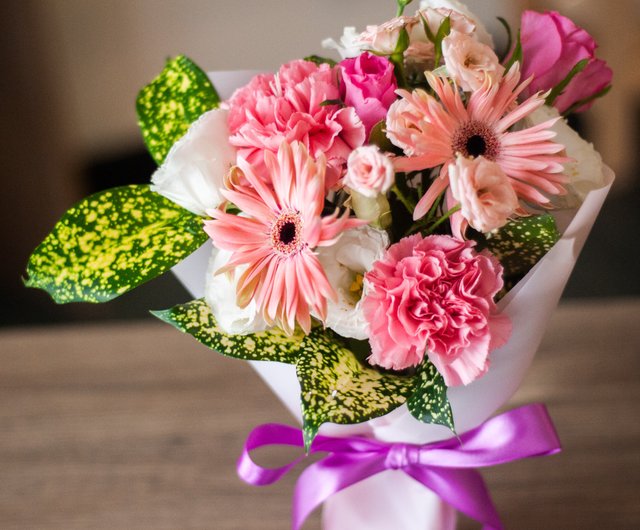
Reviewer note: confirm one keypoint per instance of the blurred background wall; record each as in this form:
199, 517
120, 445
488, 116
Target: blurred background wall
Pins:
72, 69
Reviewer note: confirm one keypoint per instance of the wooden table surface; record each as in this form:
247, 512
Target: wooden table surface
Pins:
137, 426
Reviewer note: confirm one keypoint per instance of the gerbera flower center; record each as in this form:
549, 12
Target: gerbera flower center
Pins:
286, 233
474, 139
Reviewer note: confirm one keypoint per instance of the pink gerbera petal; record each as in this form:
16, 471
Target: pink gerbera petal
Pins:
275, 237
433, 131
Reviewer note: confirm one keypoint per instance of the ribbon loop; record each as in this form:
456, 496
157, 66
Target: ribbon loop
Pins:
401, 456
446, 468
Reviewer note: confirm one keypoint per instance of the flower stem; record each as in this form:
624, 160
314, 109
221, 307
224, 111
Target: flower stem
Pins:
443, 218
408, 204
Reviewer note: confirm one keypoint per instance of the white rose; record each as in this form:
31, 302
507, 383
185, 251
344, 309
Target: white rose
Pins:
220, 294
585, 171
349, 46
345, 264
193, 171
481, 31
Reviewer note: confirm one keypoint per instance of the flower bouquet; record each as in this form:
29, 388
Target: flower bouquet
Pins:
383, 237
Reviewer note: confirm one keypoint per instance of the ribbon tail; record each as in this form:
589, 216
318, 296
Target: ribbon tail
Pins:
329, 476
464, 489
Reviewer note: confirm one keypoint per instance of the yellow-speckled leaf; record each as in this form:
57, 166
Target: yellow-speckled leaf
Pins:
171, 102
196, 319
110, 243
337, 388
521, 243
429, 402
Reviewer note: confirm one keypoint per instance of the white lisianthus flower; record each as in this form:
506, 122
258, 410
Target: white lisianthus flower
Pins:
585, 170
481, 31
220, 294
193, 172
349, 45
345, 264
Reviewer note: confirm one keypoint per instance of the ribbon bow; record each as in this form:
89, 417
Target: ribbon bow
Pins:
446, 467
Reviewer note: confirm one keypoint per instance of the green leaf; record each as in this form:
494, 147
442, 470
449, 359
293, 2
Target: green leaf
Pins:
171, 102
516, 55
337, 388
443, 31
320, 60
521, 243
401, 5
559, 88
507, 28
379, 138
429, 402
196, 319
110, 243
580, 103
427, 29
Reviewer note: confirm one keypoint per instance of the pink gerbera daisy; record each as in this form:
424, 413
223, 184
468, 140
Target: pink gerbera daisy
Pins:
432, 132
275, 237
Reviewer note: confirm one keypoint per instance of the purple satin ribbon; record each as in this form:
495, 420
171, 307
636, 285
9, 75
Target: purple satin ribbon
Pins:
447, 468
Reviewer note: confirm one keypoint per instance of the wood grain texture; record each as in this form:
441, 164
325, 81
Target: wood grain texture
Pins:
136, 426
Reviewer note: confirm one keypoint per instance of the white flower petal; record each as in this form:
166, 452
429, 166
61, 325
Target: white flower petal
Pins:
193, 171
220, 294
353, 254
586, 171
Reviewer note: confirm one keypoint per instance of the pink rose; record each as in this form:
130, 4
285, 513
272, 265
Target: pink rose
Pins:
287, 107
485, 194
551, 47
368, 85
469, 62
434, 296
369, 172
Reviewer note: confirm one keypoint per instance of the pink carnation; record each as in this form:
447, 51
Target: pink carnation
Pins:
288, 107
434, 295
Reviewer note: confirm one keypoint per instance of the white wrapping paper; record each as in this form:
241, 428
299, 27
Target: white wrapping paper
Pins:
392, 500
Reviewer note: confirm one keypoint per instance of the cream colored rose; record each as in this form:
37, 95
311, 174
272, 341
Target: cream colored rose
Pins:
193, 171
384, 38
469, 62
484, 192
345, 264
458, 7
220, 294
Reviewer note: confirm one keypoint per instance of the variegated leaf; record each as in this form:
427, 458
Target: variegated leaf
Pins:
337, 388
196, 319
521, 243
110, 243
428, 402
171, 102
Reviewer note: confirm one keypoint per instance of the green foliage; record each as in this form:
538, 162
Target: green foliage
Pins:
428, 402
171, 102
196, 319
110, 243
559, 88
521, 243
336, 384
320, 60
337, 388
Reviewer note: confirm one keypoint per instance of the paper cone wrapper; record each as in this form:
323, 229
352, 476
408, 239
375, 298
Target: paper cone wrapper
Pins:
392, 499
